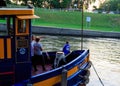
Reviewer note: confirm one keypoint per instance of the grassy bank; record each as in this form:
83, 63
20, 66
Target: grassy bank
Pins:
72, 20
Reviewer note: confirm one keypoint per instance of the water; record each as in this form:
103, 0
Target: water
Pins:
104, 54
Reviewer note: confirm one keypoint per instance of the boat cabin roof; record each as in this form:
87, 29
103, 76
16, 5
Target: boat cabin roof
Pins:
21, 13
16, 11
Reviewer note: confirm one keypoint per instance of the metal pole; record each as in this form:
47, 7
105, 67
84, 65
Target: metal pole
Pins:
82, 27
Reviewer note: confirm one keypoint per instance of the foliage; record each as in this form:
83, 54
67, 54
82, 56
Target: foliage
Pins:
8, 1
111, 5
87, 2
55, 3
24, 1
65, 3
37, 3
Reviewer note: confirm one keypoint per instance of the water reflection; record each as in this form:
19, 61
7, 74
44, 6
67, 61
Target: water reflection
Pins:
104, 53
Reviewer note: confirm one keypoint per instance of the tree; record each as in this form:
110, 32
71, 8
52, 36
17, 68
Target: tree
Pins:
8, 1
55, 3
85, 3
24, 2
37, 3
65, 3
111, 5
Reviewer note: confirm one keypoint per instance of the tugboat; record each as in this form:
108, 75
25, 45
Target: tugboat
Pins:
15, 56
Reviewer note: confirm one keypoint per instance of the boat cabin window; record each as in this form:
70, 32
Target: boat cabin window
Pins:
22, 27
6, 26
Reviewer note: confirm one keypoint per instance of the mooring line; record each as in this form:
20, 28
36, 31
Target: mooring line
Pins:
98, 75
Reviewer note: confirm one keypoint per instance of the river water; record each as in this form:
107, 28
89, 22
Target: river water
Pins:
104, 54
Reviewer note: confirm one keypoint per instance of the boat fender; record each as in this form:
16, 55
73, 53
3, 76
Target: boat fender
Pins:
87, 73
88, 66
81, 84
84, 82
85, 77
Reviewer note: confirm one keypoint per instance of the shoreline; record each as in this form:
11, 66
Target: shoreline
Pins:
69, 32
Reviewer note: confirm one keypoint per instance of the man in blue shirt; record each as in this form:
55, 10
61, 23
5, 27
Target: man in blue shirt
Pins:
66, 48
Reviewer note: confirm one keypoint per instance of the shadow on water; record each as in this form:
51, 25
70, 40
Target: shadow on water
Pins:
104, 54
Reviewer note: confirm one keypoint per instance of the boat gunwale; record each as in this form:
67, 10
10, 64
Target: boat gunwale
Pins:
57, 71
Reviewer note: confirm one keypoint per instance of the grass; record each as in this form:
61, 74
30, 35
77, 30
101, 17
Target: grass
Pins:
72, 20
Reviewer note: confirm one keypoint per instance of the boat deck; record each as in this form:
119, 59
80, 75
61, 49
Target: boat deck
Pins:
39, 67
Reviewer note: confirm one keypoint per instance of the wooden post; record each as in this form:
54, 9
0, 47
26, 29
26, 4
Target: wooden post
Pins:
64, 78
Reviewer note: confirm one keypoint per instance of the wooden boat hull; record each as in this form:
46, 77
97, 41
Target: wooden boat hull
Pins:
74, 73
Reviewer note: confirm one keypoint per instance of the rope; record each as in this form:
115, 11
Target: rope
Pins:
97, 75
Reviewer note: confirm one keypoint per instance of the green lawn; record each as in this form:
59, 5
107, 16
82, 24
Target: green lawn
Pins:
72, 20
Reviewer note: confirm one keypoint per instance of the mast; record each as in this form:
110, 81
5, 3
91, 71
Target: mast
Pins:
82, 26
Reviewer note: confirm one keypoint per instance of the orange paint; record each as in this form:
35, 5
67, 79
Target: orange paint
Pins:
9, 48
1, 49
